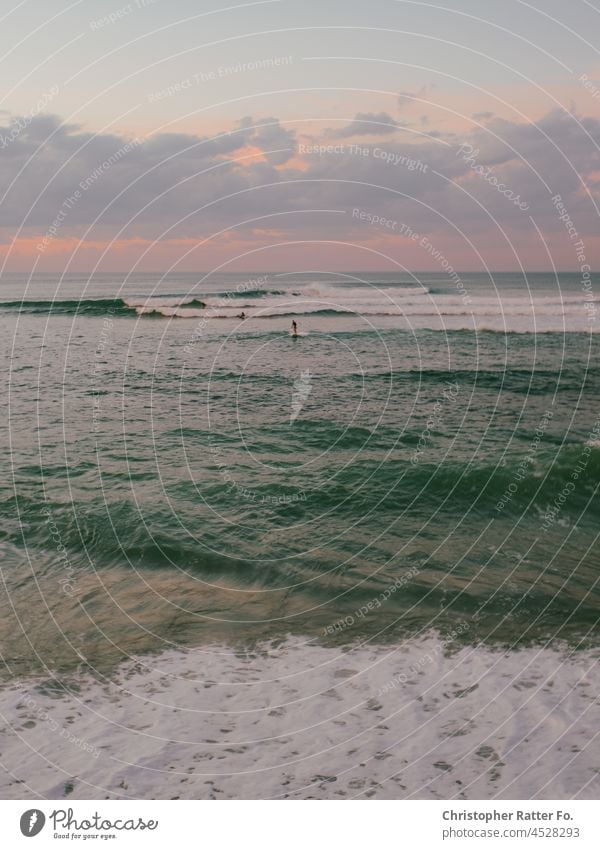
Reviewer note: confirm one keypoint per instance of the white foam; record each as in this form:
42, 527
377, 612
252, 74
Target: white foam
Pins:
304, 721
353, 293
161, 301
512, 312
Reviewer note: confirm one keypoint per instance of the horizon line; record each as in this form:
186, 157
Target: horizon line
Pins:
264, 272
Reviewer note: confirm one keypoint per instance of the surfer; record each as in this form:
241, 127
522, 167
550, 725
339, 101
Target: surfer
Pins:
294, 328
242, 315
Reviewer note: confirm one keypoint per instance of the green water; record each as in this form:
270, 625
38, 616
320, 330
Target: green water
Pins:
159, 492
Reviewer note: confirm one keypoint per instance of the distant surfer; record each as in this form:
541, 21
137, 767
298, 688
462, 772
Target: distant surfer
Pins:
242, 315
294, 328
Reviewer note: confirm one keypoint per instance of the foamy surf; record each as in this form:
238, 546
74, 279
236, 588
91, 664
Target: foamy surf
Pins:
415, 308
335, 308
298, 721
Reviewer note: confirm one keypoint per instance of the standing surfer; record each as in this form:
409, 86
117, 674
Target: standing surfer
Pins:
294, 328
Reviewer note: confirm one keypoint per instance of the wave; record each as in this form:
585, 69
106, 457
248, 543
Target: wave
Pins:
158, 302
422, 307
532, 481
81, 306
176, 536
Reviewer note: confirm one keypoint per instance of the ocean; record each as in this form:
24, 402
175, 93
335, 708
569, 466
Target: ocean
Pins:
358, 562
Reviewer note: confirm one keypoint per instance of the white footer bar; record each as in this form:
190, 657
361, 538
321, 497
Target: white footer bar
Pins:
350, 824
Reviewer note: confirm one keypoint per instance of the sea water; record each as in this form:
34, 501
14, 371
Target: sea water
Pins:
415, 477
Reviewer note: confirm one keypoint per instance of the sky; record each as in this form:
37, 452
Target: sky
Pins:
287, 135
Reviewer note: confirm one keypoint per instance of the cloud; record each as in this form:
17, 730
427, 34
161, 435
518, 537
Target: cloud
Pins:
277, 143
406, 99
366, 124
159, 181
186, 186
